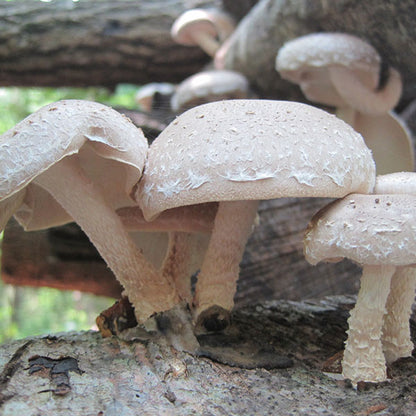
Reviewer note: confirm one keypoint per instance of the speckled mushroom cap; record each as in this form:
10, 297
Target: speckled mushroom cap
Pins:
308, 57
208, 86
253, 149
111, 150
368, 229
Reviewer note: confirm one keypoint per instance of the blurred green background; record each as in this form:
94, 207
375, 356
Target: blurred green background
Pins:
35, 311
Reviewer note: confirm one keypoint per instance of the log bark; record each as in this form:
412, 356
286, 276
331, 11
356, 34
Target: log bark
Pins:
280, 347
66, 43
387, 25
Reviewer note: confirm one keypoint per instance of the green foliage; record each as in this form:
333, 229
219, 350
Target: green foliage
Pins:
28, 311
18, 103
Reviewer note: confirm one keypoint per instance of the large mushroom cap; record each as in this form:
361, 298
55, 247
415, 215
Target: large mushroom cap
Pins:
368, 229
110, 148
253, 149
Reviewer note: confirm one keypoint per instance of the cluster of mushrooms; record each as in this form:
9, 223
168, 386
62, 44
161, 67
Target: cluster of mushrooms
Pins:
200, 181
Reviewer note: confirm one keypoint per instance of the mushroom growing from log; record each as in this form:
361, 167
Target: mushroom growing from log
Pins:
209, 86
207, 28
376, 231
237, 152
79, 161
343, 71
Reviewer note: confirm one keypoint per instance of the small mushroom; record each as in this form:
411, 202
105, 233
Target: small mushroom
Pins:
154, 95
343, 71
209, 86
207, 28
79, 161
237, 152
378, 232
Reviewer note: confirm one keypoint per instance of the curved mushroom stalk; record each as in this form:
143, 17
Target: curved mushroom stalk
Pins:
359, 97
217, 280
148, 290
396, 337
363, 356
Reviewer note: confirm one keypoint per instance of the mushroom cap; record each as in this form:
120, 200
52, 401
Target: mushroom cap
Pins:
396, 183
306, 61
250, 150
191, 21
368, 229
110, 149
146, 94
208, 86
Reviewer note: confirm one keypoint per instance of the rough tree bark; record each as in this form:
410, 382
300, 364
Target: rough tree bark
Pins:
271, 364
87, 43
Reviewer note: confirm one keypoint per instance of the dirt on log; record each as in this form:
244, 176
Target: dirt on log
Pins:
281, 347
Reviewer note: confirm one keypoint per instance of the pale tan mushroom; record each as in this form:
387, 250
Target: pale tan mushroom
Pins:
238, 152
78, 160
378, 232
343, 71
396, 336
209, 86
148, 96
207, 28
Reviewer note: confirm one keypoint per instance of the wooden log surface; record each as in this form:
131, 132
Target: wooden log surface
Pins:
95, 42
281, 347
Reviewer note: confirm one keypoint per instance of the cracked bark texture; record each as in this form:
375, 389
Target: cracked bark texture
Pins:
88, 43
53, 375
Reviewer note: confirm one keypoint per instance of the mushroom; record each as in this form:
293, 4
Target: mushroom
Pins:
78, 160
343, 71
207, 28
152, 96
378, 232
237, 152
208, 86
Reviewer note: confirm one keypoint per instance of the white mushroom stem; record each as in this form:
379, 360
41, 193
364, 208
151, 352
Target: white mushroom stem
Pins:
363, 356
360, 97
9, 206
217, 280
206, 42
396, 337
148, 290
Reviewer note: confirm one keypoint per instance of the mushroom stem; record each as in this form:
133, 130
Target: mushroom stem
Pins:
206, 42
363, 356
9, 206
396, 337
358, 96
148, 290
346, 114
176, 266
217, 280
192, 218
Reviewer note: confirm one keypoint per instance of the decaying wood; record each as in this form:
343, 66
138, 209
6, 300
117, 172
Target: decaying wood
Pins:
387, 25
66, 43
281, 347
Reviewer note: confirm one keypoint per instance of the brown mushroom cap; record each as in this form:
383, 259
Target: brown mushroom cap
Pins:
209, 86
368, 229
111, 153
253, 149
